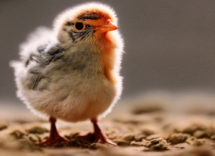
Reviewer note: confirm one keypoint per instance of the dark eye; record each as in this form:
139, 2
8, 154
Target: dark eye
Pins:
79, 26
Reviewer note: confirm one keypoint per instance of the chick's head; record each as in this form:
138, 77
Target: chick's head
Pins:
87, 22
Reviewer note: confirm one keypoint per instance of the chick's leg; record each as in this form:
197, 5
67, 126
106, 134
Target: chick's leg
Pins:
99, 134
54, 136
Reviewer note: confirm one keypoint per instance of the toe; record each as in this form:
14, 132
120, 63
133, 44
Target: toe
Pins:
52, 141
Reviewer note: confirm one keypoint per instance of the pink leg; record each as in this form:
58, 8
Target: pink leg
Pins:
54, 136
97, 135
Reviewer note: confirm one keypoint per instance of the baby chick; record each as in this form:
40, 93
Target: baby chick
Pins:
72, 72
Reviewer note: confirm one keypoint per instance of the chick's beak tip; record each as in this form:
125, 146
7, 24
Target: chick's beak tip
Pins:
111, 26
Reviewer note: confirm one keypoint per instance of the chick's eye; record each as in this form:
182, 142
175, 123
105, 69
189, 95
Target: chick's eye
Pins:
79, 26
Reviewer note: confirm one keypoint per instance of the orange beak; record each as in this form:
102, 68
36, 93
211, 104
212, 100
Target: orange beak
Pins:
109, 26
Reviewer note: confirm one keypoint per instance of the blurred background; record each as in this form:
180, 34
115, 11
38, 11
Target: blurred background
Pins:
169, 44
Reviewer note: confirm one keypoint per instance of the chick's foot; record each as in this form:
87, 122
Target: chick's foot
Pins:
97, 135
54, 136
53, 141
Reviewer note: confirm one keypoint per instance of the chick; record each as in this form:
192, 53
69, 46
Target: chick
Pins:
71, 72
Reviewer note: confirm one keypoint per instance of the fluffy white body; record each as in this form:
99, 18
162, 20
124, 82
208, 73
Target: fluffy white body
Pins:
71, 85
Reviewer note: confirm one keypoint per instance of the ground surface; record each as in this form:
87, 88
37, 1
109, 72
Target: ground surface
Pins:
143, 128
